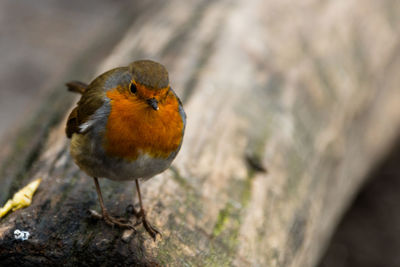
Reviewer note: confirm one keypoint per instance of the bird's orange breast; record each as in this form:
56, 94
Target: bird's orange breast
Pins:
133, 127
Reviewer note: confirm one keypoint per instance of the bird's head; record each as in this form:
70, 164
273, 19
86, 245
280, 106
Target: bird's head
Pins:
149, 82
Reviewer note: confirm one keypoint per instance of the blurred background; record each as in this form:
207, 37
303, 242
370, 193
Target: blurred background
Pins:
39, 41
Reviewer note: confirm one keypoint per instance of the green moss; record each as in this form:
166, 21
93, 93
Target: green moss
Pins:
229, 221
222, 219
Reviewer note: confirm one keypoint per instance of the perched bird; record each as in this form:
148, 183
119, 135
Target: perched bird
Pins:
128, 125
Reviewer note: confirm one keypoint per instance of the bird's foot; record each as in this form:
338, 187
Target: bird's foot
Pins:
141, 219
112, 221
151, 230
121, 223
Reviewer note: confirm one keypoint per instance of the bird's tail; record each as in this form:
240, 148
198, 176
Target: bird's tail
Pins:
76, 87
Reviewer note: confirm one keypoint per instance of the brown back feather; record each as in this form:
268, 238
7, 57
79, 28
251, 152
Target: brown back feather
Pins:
72, 123
73, 120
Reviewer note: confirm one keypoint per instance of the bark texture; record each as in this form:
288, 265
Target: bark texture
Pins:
308, 91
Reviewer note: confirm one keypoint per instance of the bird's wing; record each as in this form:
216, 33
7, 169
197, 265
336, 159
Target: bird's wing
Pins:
90, 101
72, 123
79, 121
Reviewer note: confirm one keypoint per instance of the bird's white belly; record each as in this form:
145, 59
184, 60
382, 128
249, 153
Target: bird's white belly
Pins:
90, 157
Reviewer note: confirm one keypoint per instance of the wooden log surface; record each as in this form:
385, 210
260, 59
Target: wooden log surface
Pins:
307, 90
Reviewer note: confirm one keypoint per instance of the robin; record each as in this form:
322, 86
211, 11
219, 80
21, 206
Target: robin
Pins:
128, 125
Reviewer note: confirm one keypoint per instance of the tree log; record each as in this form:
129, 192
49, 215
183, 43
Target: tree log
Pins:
305, 90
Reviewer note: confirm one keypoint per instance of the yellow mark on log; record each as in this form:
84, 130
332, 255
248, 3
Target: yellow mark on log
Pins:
21, 199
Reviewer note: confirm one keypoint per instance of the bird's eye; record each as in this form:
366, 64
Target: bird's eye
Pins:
133, 88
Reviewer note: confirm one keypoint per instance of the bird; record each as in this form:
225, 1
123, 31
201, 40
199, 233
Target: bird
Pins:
128, 125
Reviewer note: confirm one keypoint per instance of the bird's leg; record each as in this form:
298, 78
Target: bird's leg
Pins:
110, 220
142, 215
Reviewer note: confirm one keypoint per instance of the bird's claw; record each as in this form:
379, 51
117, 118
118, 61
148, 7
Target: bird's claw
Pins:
151, 230
112, 221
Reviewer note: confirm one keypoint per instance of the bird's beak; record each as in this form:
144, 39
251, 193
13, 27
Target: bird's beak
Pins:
153, 103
